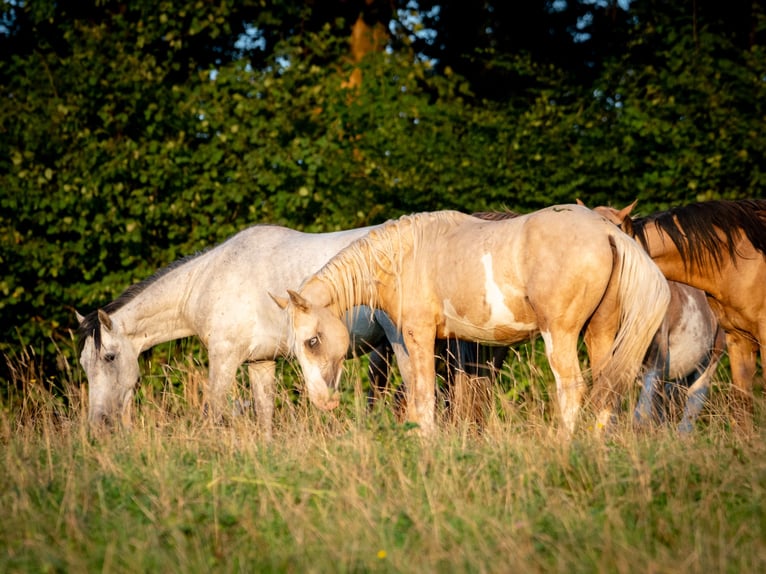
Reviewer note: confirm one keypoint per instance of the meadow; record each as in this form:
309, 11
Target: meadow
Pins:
355, 490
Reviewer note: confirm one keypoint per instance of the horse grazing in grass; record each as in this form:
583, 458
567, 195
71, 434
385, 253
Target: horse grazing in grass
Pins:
682, 357
720, 248
220, 296
444, 275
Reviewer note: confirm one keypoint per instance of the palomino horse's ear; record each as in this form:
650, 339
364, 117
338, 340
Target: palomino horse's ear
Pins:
80, 318
579, 202
624, 213
281, 301
105, 319
298, 300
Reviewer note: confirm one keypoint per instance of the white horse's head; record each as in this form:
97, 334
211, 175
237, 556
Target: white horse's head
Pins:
111, 366
320, 341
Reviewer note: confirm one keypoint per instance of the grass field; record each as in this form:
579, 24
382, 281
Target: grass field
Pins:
352, 491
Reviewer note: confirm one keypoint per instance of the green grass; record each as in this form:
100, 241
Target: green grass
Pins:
359, 492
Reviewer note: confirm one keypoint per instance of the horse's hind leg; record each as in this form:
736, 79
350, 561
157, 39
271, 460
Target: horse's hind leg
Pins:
599, 338
742, 359
262, 375
697, 393
695, 400
561, 350
655, 371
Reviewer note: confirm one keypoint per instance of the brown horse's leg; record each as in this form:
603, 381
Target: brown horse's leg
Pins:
421, 400
742, 357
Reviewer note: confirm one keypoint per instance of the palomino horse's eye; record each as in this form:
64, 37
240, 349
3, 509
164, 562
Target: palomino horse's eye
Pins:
109, 357
313, 342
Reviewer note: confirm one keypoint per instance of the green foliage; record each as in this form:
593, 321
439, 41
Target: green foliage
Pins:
135, 134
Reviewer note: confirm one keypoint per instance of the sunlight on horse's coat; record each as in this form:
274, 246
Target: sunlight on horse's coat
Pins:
718, 247
220, 295
423, 272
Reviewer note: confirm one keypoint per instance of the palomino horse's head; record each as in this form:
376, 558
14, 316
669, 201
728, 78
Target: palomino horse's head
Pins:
111, 366
320, 341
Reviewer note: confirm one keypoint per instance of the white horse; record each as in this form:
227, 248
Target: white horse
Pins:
220, 296
559, 271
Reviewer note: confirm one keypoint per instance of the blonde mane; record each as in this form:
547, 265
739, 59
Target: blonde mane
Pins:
353, 275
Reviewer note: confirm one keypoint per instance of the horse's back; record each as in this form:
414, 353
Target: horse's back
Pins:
512, 273
275, 256
230, 298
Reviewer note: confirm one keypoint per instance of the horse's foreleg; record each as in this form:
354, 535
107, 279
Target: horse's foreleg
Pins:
262, 377
561, 351
742, 358
378, 372
396, 342
421, 388
222, 373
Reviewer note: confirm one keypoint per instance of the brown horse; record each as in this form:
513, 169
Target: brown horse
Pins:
557, 271
720, 248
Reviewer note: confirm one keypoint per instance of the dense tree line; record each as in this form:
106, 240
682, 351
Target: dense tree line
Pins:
135, 132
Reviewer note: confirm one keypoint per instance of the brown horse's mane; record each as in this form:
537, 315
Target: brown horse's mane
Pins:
694, 229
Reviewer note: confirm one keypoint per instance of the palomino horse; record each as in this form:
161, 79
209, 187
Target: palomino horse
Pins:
682, 357
556, 271
221, 296
686, 349
720, 248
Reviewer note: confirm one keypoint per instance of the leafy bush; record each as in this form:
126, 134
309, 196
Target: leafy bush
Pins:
134, 137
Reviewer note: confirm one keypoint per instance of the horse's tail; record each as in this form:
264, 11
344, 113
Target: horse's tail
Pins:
643, 296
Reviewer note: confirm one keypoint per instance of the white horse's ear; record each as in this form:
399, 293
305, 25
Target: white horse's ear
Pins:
281, 301
298, 300
80, 318
105, 319
580, 202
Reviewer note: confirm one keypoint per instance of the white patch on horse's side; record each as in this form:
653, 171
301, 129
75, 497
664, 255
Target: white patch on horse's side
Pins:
499, 315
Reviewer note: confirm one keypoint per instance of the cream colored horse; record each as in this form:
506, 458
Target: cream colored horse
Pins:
557, 271
220, 296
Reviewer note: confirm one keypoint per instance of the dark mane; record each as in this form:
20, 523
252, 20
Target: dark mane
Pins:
495, 215
694, 228
91, 325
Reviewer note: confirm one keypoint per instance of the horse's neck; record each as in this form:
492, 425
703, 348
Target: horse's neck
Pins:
158, 314
371, 276
675, 268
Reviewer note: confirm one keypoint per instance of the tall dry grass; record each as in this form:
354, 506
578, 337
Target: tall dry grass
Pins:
358, 491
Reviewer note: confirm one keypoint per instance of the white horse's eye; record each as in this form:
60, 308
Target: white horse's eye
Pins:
109, 357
